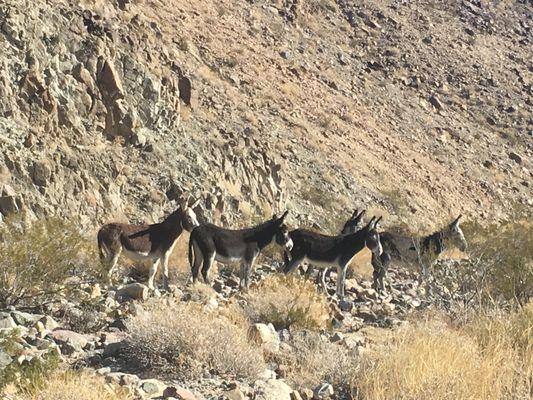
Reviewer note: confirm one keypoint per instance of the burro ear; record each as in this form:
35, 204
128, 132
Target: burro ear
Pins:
377, 222
184, 201
355, 212
456, 220
282, 218
361, 214
370, 225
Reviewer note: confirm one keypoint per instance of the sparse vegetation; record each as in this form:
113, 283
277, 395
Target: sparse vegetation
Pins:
36, 260
481, 360
181, 340
500, 267
287, 302
312, 359
70, 385
30, 376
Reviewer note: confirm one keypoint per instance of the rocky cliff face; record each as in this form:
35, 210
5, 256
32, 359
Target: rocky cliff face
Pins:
415, 110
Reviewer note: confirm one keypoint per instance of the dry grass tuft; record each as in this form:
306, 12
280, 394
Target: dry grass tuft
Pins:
489, 358
181, 340
76, 386
312, 360
287, 302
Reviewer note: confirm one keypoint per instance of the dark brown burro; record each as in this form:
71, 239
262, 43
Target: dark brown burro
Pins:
146, 242
324, 251
209, 242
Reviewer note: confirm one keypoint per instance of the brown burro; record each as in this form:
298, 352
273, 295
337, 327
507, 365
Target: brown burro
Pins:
146, 242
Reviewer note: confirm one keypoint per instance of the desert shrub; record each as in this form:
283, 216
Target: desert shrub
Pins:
35, 260
29, 376
70, 385
287, 302
500, 266
312, 359
432, 360
183, 339
86, 317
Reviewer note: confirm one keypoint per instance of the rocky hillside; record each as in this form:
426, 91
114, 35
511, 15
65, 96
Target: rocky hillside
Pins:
110, 108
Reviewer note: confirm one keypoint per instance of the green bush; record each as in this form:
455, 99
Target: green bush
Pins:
36, 260
30, 375
500, 266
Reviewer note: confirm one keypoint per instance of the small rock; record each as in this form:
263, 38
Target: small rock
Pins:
69, 341
342, 59
49, 323
345, 305
135, 291
435, 102
26, 319
152, 386
234, 394
488, 164
5, 359
286, 54
273, 389
323, 391
337, 337
113, 349
370, 294
517, 158
265, 335
7, 322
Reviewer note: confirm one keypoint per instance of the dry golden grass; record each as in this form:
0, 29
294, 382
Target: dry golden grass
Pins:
489, 358
181, 340
77, 386
287, 302
312, 359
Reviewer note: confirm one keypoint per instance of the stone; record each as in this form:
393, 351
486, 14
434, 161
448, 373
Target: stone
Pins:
7, 322
273, 389
41, 173
48, 323
345, 305
5, 359
185, 90
135, 291
69, 341
152, 387
109, 81
26, 319
517, 158
337, 337
370, 294
113, 349
323, 391
235, 394
286, 54
265, 335
10, 205
179, 393
435, 102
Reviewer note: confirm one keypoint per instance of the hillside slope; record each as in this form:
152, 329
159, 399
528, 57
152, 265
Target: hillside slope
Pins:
418, 110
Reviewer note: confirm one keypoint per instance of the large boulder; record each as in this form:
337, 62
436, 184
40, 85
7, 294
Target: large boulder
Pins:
69, 342
266, 336
273, 389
